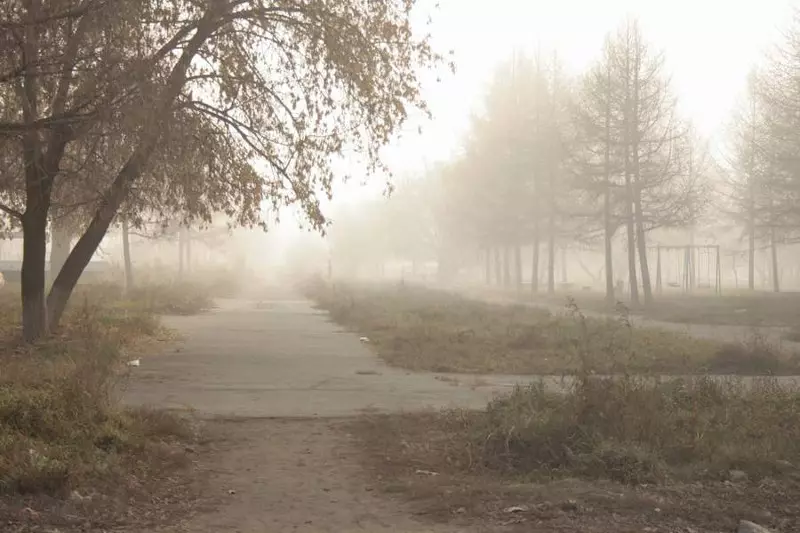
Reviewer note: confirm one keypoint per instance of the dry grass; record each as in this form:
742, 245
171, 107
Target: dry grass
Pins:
631, 452
634, 430
59, 421
63, 433
539, 462
609, 455
156, 298
735, 308
429, 330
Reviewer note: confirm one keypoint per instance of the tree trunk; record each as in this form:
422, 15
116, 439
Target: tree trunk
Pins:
126, 254
637, 178
551, 255
751, 199
776, 282
607, 238
488, 265
535, 259
34, 255
60, 245
181, 252
751, 257
188, 248
506, 266
498, 269
518, 267
87, 245
693, 259
632, 279
641, 242
608, 231
564, 269
629, 224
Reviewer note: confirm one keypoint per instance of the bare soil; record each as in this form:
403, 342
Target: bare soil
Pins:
290, 475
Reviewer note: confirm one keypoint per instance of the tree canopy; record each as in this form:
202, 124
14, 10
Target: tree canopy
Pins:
193, 105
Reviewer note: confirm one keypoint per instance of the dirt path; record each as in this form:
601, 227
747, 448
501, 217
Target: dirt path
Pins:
270, 380
289, 475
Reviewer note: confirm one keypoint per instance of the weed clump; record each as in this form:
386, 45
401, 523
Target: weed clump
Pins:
60, 424
639, 430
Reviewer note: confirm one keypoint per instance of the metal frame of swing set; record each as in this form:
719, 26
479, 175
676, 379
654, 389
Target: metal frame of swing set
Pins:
688, 281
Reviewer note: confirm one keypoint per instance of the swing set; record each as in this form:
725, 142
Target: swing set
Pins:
689, 267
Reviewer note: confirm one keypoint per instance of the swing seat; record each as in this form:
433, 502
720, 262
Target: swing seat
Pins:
674, 285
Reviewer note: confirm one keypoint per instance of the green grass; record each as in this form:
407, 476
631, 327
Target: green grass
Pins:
422, 329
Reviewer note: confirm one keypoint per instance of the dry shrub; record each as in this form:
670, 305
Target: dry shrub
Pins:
641, 430
59, 422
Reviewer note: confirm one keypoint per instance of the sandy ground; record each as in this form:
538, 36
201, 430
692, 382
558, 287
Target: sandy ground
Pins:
271, 380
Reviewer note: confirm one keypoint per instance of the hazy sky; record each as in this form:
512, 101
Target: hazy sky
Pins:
710, 46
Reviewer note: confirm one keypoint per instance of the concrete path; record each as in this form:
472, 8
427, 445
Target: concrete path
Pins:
282, 358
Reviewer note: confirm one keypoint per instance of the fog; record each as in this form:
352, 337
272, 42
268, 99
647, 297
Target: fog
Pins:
505, 182
465, 209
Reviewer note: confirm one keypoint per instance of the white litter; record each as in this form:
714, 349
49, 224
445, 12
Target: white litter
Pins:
426, 473
364, 339
516, 509
135, 362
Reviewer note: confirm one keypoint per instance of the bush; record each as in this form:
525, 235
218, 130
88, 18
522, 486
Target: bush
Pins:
59, 422
639, 430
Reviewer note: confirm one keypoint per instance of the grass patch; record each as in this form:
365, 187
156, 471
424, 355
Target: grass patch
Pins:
619, 452
732, 308
69, 452
171, 299
792, 335
637, 430
157, 298
422, 329
59, 422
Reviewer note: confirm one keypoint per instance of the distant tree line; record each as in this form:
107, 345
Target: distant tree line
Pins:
606, 158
